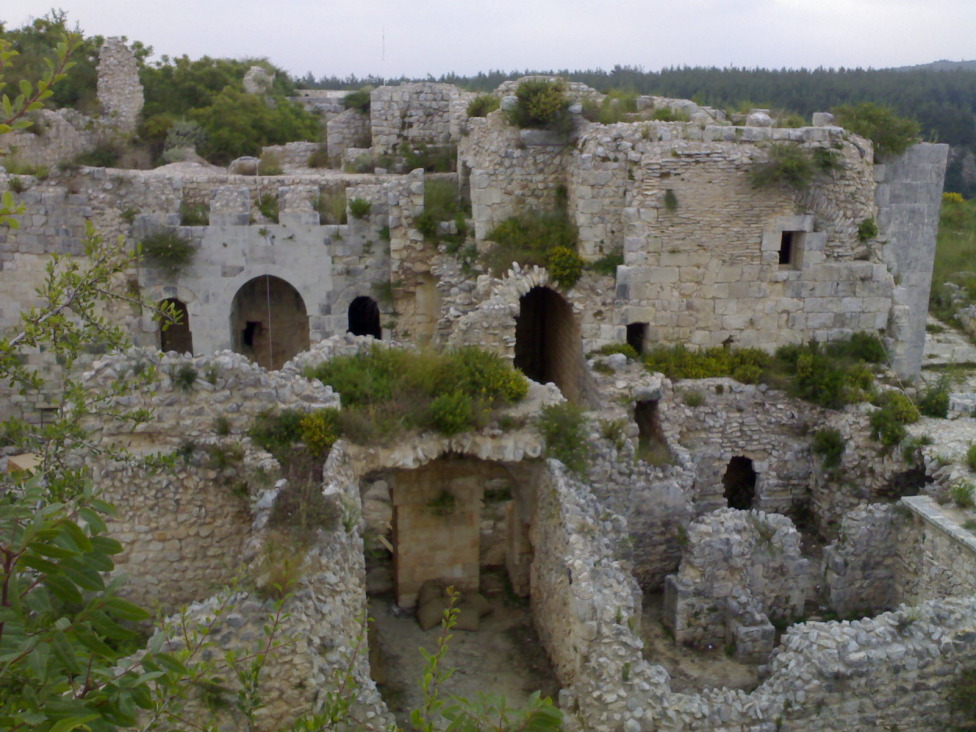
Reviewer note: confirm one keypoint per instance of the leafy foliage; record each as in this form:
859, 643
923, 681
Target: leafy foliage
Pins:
934, 400
564, 428
359, 100
788, 164
565, 266
891, 134
483, 105
829, 444
889, 420
677, 362
359, 208
541, 104
210, 93
528, 238
168, 251
385, 391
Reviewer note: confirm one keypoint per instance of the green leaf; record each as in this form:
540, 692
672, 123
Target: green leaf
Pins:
62, 588
171, 664
66, 725
125, 610
65, 653
95, 522
75, 535
41, 565
107, 545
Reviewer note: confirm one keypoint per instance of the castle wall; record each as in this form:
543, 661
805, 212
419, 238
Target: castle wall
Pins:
936, 557
422, 113
908, 198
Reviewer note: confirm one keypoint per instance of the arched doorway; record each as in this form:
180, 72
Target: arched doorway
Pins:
740, 483
269, 323
547, 341
364, 317
176, 336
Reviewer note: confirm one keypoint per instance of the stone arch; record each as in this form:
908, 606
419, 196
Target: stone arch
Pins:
176, 336
364, 317
739, 482
547, 341
269, 322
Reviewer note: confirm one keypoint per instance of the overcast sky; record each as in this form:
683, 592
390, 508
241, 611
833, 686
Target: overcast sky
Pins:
419, 37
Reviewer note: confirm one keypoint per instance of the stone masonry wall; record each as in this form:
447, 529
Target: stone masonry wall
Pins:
859, 567
419, 113
935, 556
511, 170
119, 88
738, 570
908, 197
742, 420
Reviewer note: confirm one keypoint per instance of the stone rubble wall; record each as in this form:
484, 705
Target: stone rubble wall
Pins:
57, 136
739, 570
119, 89
859, 567
347, 130
866, 474
511, 170
423, 113
746, 420
292, 156
909, 195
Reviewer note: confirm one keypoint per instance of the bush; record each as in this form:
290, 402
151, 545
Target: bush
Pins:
867, 230
268, 206
891, 134
331, 208
359, 208
431, 158
666, 114
541, 104
565, 266
385, 391
483, 105
888, 422
451, 413
190, 215
528, 239
624, 348
961, 494
564, 428
359, 100
269, 164
318, 431
677, 362
788, 165
277, 433
105, 155
830, 376
607, 265
167, 251
971, 458
319, 158
934, 401
830, 445
184, 377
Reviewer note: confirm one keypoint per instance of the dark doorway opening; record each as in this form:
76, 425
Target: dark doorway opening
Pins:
547, 341
176, 336
740, 483
269, 323
636, 333
364, 317
651, 443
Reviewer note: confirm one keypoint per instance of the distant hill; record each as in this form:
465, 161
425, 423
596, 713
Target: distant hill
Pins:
943, 65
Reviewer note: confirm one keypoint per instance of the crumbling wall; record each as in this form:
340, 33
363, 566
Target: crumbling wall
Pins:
751, 421
119, 88
350, 129
739, 570
422, 113
512, 170
859, 567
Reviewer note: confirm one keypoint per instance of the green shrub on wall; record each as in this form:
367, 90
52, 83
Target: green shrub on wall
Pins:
483, 105
891, 134
531, 238
541, 104
788, 164
168, 251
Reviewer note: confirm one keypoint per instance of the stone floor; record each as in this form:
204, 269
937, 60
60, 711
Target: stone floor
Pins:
504, 656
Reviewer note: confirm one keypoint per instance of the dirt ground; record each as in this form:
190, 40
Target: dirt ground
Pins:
691, 670
503, 656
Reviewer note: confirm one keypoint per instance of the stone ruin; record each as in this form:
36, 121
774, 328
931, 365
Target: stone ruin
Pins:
714, 524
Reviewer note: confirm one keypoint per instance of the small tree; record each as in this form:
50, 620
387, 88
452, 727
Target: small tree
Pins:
541, 104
